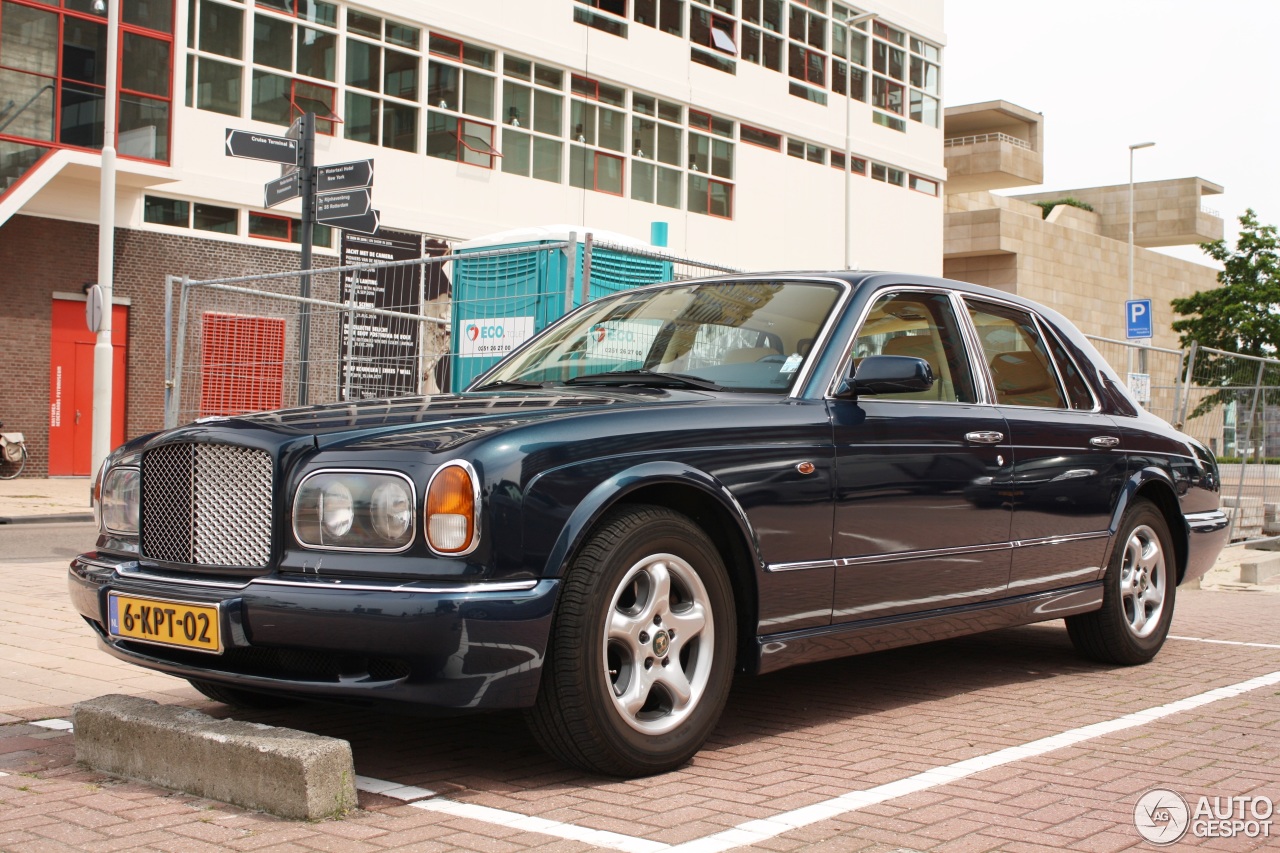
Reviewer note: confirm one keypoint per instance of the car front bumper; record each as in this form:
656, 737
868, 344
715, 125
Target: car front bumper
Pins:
450, 646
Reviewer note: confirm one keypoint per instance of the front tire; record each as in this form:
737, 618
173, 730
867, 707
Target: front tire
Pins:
9, 470
1139, 589
641, 653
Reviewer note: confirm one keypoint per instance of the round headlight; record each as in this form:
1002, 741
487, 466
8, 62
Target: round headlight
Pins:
337, 509
391, 510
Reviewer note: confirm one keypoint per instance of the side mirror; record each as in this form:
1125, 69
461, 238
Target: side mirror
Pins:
887, 374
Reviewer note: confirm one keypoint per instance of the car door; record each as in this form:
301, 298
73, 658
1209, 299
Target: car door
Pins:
1069, 462
920, 521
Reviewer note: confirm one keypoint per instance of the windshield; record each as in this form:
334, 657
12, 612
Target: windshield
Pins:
747, 336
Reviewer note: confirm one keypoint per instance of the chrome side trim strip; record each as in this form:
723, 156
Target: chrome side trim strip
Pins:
338, 584
135, 573
1207, 522
901, 556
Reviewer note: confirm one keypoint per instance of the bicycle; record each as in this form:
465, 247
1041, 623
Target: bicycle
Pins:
13, 454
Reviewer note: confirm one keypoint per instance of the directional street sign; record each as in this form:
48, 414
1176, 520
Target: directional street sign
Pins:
1137, 315
282, 189
260, 146
343, 205
344, 176
367, 224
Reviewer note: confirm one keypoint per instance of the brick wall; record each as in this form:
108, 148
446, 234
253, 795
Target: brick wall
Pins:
40, 256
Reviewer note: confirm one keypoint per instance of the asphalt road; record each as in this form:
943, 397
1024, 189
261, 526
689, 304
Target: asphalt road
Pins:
37, 542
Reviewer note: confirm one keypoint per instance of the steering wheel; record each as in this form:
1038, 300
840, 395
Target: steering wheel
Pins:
777, 358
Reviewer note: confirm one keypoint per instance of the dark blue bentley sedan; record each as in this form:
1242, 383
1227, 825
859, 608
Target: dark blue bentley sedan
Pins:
666, 486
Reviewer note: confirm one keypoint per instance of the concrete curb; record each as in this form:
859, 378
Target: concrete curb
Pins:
286, 772
46, 519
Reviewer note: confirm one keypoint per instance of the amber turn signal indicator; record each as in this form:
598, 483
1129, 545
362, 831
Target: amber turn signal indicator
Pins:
451, 510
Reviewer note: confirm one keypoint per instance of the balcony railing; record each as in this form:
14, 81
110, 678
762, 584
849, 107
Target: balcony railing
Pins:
957, 141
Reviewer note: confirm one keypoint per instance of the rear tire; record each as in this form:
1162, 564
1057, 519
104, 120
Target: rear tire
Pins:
9, 470
237, 698
641, 654
1139, 589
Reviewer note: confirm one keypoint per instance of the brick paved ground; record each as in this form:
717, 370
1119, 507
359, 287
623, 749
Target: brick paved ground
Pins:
788, 740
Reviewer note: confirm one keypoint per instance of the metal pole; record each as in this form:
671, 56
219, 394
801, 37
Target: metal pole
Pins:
307, 170
168, 347
179, 355
570, 265
1132, 148
103, 352
1244, 464
849, 24
586, 269
1186, 391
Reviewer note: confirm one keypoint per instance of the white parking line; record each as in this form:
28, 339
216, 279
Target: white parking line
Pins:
755, 831
1225, 642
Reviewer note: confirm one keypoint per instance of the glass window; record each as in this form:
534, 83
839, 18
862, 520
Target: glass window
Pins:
924, 75
714, 198
84, 51
207, 217
316, 53
166, 211
144, 64
595, 170
762, 48
363, 118
364, 65
604, 23
924, 185
807, 65
1077, 389
763, 138
1016, 355
150, 15
221, 29
273, 42
919, 325
270, 98
269, 227
29, 39
144, 127
399, 126
887, 95
924, 108
400, 77
365, 25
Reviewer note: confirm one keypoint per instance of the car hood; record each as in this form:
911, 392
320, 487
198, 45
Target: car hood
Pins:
430, 422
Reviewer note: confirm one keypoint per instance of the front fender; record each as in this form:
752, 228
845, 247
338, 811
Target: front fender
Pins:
611, 490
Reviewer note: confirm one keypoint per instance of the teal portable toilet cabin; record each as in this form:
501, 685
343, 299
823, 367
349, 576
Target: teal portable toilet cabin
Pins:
499, 301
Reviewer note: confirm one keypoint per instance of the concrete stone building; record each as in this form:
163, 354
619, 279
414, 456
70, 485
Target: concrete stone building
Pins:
1074, 260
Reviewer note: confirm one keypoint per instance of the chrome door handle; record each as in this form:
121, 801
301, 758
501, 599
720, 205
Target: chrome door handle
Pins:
985, 436
1104, 441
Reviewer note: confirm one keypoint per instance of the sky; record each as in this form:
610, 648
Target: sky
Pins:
1200, 79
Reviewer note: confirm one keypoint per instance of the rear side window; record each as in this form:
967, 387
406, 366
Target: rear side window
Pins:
920, 325
1077, 388
1019, 360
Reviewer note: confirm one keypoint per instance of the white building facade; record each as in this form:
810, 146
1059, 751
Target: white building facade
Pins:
765, 134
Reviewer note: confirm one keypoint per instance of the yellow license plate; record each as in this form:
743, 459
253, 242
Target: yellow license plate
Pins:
169, 623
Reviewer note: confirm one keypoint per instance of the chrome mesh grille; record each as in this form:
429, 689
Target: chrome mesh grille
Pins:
207, 505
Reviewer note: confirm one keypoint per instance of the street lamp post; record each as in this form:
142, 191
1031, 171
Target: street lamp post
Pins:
1132, 148
850, 32
102, 349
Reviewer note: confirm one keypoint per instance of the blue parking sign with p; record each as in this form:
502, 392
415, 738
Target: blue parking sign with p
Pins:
1137, 314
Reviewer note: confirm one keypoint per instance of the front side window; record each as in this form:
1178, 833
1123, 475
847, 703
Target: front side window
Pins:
1016, 354
919, 325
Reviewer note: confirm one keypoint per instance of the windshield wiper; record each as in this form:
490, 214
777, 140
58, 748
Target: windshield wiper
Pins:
644, 377
511, 383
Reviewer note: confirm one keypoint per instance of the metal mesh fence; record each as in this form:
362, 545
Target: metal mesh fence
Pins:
421, 326
1161, 391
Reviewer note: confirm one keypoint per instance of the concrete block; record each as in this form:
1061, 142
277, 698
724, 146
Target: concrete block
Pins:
289, 773
1260, 569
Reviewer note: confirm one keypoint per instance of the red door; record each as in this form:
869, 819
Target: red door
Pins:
71, 387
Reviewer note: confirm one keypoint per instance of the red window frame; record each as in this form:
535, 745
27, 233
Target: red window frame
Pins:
288, 221
463, 145
807, 67
57, 79
715, 182
911, 182
433, 38
595, 171
777, 137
